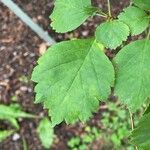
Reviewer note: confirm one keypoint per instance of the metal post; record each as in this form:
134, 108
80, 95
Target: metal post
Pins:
28, 21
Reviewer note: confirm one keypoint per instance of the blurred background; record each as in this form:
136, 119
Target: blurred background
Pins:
21, 119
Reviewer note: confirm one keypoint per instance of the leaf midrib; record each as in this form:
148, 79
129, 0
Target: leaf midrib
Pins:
63, 99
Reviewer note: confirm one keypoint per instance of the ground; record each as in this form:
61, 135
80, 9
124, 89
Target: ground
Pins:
19, 50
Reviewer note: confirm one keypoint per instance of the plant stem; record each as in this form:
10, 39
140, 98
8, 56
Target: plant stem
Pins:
131, 3
132, 121
132, 125
101, 15
148, 35
109, 9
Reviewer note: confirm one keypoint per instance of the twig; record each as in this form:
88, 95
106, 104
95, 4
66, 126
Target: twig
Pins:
148, 35
109, 8
132, 121
101, 15
132, 125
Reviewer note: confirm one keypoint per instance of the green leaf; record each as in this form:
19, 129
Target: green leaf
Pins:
69, 14
45, 132
115, 139
144, 146
112, 33
135, 18
13, 112
72, 77
4, 134
141, 134
73, 142
144, 4
133, 74
13, 121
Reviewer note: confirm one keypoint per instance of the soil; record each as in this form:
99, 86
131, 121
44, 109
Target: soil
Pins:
19, 50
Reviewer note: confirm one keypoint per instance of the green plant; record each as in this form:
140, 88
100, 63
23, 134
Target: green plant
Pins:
140, 135
24, 79
5, 133
74, 76
11, 114
114, 130
45, 132
74, 142
115, 126
83, 141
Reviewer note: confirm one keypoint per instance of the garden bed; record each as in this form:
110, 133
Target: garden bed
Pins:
19, 50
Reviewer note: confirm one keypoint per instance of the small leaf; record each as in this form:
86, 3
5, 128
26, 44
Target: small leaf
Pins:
14, 111
12, 120
4, 134
72, 77
112, 33
135, 18
141, 134
45, 132
69, 14
133, 74
144, 4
